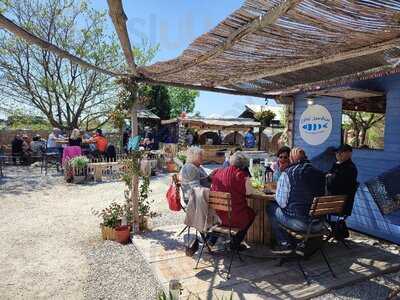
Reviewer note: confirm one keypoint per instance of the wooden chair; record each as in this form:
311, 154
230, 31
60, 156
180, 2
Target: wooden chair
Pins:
319, 210
220, 201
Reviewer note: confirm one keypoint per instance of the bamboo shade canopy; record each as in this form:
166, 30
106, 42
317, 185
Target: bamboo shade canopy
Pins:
270, 47
310, 45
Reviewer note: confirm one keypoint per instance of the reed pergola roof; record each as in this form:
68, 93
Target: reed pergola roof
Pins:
307, 44
215, 124
271, 47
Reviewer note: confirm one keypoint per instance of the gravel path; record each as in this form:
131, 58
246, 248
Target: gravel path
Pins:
51, 246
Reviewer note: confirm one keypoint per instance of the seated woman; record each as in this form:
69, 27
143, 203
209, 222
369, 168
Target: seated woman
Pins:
233, 180
192, 174
282, 163
75, 138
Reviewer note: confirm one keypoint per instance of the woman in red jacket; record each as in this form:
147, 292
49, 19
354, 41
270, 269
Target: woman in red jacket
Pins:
233, 180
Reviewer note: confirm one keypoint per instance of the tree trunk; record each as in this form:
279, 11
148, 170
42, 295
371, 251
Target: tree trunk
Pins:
363, 136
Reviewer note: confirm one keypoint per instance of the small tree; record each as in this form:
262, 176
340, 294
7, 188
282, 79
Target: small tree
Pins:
265, 117
182, 100
360, 123
32, 78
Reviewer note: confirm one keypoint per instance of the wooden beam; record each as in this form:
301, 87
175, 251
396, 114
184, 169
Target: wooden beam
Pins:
341, 80
200, 87
118, 17
255, 25
32, 39
371, 49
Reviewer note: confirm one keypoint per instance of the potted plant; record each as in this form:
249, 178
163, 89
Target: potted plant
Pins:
78, 165
111, 225
265, 117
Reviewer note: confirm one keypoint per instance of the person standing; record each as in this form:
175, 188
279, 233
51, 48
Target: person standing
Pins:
189, 138
249, 138
195, 138
16, 148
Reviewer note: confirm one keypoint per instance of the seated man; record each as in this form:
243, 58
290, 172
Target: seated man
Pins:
342, 178
297, 186
233, 180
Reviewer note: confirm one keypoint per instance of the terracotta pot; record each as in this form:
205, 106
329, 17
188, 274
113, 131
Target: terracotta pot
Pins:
123, 234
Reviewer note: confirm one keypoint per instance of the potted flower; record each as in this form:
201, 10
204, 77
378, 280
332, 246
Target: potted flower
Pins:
112, 227
78, 165
265, 117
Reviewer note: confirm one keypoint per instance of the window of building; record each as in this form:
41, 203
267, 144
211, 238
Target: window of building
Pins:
363, 122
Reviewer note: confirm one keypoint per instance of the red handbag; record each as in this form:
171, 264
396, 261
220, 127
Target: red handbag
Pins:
173, 198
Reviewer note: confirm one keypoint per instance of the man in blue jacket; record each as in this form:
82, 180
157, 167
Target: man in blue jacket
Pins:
296, 189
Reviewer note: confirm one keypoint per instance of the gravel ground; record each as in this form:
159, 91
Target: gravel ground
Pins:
53, 248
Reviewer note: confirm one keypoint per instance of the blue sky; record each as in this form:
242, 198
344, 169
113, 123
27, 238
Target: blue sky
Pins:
173, 24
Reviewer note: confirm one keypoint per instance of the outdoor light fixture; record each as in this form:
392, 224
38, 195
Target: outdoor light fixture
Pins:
310, 101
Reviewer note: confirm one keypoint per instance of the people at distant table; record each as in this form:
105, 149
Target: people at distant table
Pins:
37, 145
75, 138
53, 141
100, 141
16, 148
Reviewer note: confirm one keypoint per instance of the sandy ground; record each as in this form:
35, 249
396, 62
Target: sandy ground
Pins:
51, 246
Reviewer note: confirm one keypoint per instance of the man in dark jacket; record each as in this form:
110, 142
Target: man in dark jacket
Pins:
342, 178
296, 188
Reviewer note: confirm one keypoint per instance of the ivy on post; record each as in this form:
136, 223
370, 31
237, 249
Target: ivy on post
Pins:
135, 177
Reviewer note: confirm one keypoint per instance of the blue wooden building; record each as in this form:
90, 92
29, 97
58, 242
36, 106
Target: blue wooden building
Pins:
366, 217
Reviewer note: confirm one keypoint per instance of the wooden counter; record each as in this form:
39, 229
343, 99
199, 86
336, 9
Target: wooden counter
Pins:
260, 230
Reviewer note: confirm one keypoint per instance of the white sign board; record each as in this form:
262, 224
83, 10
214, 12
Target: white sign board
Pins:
315, 125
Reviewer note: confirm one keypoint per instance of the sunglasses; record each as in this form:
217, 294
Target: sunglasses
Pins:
283, 156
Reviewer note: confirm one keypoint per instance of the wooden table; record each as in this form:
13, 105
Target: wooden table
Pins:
260, 231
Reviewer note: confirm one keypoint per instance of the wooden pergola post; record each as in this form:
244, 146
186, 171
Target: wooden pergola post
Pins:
119, 19
135, 178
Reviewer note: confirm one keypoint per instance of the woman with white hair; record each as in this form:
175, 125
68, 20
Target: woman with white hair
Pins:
233, 180
192, 174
